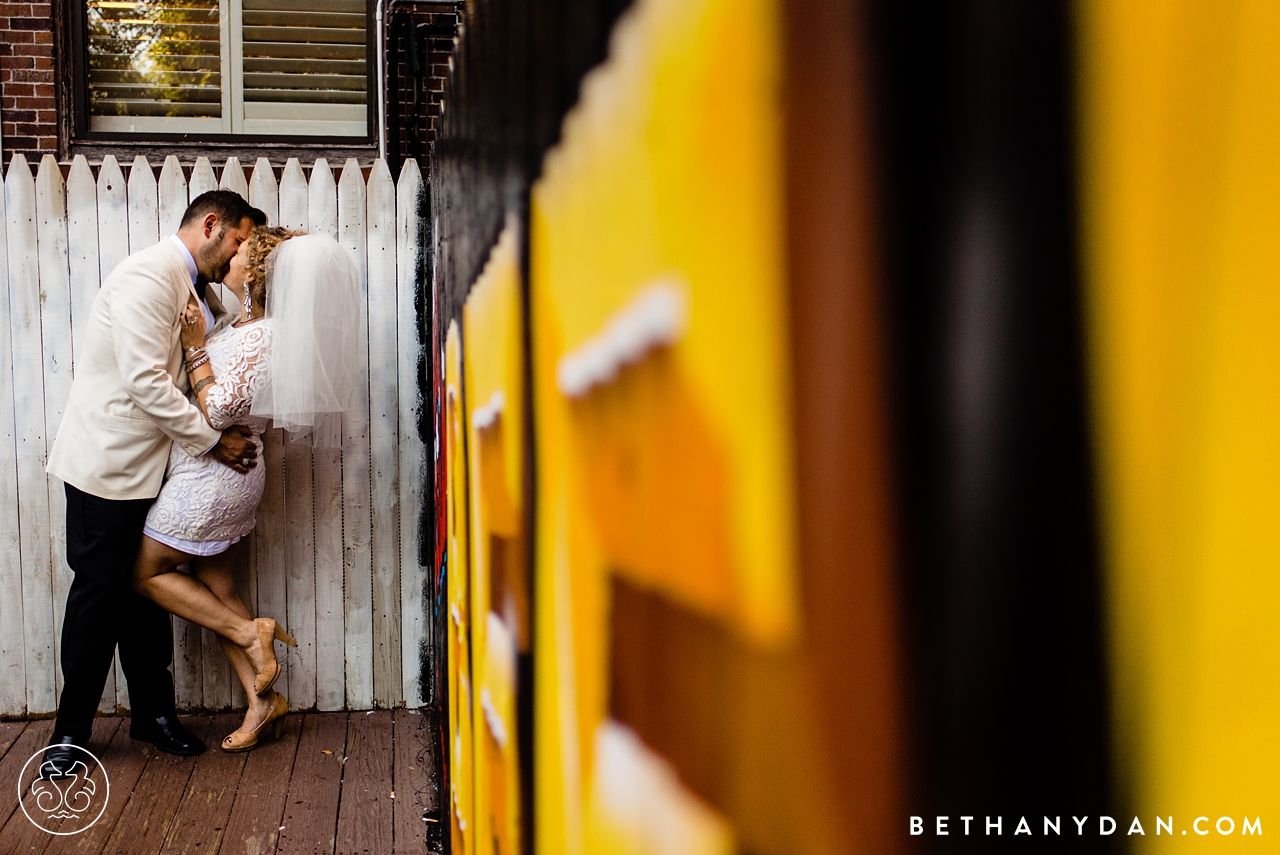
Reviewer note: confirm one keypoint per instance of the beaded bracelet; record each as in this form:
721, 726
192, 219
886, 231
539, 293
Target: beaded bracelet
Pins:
197, 362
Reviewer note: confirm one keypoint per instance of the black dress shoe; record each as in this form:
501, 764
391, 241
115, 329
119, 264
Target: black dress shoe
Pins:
166, 733
57, 761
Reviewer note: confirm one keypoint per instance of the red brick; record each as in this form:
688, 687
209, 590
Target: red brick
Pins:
20, 115
27, 128
44, 37
12, 143
44, 63
24, 75
19, 89
31, 102
48, 143
21, 62
31, 50
48, 117
15, 36
29, 24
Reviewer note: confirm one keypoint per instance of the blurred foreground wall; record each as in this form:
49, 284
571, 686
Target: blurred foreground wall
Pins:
856, 414
666, 547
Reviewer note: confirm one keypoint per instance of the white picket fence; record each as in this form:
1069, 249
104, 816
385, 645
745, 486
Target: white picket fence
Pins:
334, 556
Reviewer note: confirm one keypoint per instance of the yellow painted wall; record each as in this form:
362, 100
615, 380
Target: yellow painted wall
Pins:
656, 233
494, 370
458, 584
1180, 113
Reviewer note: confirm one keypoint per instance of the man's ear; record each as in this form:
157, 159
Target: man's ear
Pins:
210, 222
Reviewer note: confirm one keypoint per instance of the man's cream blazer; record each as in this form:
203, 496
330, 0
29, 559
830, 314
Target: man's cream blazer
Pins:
128, 397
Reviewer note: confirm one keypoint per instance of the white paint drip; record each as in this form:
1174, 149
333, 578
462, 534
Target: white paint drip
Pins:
491, 717
657, 317
489, 413
640, 792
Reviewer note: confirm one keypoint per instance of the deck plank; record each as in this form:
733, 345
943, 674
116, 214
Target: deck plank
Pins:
416, 796
254, 824
33, 737
124, 759
204, 811
364, 813
9, 733
311, 808
146, 818
236, 804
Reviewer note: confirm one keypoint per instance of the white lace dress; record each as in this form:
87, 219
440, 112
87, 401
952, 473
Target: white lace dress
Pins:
205, 506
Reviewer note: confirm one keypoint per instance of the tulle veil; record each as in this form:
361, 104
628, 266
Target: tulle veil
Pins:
317, 315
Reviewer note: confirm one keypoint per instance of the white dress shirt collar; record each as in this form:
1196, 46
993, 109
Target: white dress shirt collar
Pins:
191, 268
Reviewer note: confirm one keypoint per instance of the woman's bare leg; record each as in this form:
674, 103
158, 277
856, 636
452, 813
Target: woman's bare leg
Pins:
155, 576
215, 572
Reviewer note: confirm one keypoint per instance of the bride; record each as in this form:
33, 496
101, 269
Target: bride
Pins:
297, 292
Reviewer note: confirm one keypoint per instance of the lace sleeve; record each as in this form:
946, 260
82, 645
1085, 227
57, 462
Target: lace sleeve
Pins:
230, 397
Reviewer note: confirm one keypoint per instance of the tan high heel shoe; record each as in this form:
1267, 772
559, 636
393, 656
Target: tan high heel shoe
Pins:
241, 741
268, 633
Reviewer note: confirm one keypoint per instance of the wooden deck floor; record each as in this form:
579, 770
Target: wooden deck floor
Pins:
296, 795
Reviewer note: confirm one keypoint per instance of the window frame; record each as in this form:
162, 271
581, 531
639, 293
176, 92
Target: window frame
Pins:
75, 137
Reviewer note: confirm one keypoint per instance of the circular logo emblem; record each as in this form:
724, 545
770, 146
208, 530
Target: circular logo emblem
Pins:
65, 797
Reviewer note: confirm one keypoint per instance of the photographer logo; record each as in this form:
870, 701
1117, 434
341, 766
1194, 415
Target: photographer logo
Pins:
67, 797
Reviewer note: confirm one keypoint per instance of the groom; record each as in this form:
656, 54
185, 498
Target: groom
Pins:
127, 405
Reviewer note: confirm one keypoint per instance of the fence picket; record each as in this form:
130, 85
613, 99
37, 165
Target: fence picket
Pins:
322, 204
263, 192
271, 571
330, 605
57, 346
13, 666
188, 665
173, 195
356, 510
113, 217
383, 430
414, 607
299, 502
82, 246
293, 196
233, 177
144, 218
202, 178
29, 425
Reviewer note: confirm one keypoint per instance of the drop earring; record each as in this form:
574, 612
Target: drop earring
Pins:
248, 305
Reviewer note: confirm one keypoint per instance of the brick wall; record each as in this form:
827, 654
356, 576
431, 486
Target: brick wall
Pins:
434, 59
28, 109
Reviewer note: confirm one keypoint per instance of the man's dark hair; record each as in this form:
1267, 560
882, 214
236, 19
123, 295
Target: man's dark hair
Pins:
229, 205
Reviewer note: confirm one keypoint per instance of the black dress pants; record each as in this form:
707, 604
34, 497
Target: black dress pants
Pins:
103, 537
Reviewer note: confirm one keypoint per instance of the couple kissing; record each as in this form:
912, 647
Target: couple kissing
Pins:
159, 445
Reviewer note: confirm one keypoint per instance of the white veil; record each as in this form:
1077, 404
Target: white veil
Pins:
317, 317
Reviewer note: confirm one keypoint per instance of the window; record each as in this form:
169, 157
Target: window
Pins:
268, 68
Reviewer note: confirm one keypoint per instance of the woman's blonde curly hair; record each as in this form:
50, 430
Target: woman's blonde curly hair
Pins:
262, 243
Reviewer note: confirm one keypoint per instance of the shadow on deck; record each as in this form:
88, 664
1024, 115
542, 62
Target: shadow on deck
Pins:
334, 783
